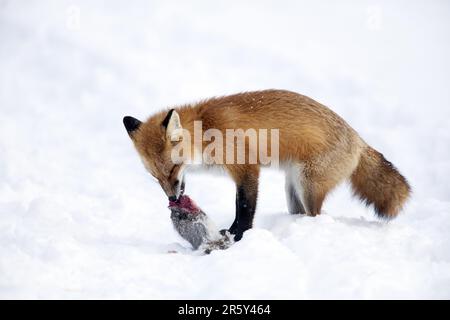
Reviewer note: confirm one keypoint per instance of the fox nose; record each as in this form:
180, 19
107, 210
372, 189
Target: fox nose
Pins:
173, 198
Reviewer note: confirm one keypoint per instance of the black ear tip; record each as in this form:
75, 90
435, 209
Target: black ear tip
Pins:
131, 123
166, 120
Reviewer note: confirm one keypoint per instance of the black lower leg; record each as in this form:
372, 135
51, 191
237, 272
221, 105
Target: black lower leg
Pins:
234, 227
245, 211
295, 206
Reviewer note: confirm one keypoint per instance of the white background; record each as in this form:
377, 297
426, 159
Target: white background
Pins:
80, 217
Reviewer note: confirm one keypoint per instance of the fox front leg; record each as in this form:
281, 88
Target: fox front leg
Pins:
245, 211
246, 198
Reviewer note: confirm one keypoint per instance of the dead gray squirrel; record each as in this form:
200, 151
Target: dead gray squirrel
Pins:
194, 226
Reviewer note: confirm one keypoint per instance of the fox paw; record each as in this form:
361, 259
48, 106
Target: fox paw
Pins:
238, 236
230, 235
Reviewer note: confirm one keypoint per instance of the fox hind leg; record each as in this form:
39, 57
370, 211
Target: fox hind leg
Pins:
294, 189
294, 203
305, 190
314, 196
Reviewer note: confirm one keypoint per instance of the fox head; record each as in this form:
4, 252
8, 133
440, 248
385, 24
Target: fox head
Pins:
154, 141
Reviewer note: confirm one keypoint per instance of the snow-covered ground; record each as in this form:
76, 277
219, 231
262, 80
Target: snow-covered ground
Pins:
80, 217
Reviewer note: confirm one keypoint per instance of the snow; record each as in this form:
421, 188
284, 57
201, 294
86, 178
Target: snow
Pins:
80, 217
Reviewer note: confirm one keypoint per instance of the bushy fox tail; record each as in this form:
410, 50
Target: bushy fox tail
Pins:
376, 181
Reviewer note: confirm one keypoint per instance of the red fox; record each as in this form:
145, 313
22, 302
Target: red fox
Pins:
317, 150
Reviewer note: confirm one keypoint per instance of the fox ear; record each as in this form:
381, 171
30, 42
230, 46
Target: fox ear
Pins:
172, 124
131, 124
